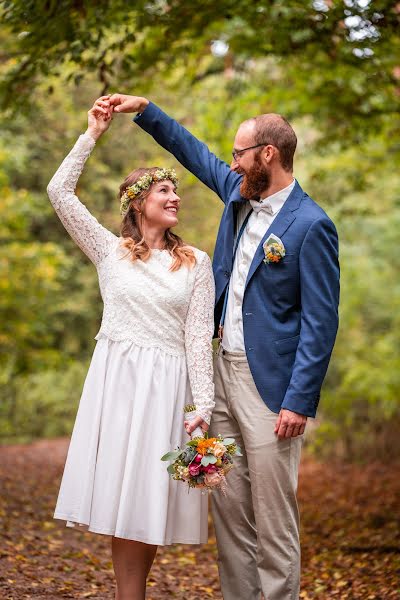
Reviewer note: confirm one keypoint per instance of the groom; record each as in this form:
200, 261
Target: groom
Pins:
277, 291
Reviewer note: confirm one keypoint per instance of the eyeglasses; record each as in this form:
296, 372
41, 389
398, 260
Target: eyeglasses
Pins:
238, 153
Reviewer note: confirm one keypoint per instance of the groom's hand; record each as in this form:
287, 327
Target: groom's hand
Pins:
289, 424
121, 103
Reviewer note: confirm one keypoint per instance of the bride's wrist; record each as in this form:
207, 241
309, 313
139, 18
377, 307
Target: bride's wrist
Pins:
94, 133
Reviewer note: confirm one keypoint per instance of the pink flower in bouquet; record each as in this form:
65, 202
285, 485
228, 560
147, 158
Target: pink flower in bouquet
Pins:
212, 479
194, 469
209, 469
198, 458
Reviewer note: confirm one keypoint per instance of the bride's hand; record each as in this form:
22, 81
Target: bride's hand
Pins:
99, 118
197, 422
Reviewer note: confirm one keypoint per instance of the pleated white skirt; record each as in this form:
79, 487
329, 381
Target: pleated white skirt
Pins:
130, 414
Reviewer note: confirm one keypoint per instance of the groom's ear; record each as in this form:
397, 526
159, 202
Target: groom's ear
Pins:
271, 153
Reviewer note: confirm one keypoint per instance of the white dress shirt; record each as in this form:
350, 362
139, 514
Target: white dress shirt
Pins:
264, 212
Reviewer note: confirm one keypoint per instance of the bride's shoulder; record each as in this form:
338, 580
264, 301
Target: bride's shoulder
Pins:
200, 255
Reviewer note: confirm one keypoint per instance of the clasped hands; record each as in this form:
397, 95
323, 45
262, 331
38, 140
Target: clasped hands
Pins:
100, 115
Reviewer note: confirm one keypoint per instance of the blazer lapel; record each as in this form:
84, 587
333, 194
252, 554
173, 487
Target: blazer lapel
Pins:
280, 224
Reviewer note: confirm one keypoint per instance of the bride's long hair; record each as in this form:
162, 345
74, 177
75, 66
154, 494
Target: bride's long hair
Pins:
132, 230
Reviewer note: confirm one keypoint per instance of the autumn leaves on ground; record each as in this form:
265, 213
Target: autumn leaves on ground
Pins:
350, 536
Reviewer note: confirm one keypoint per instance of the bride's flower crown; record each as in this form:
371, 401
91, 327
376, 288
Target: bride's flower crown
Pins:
143, 183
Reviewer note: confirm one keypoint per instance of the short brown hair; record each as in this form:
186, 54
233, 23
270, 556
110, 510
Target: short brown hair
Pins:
274, 129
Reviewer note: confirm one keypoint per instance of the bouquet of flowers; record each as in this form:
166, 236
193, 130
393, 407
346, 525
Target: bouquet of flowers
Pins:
203, 462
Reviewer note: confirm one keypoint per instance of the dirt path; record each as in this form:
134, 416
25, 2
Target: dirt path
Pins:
350, 536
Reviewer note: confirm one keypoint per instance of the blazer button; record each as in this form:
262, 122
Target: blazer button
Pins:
226, 273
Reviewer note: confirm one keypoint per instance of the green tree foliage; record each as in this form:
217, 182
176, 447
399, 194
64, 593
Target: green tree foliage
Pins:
343, 55
360, 403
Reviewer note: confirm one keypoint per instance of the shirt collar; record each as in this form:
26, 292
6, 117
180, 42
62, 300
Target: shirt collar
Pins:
272, 204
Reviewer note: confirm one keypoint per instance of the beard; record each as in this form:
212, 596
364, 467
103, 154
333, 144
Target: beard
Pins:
255, 180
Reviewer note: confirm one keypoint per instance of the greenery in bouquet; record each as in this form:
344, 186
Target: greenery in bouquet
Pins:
203, 462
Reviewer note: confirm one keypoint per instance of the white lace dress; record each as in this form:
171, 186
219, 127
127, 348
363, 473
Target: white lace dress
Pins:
153, 355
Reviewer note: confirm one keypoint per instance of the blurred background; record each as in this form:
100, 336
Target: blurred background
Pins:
332, 68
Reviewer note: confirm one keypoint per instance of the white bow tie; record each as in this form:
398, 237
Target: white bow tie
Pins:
263, 205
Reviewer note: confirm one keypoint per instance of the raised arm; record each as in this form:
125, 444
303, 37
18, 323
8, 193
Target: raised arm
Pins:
199, 329
85, 230
187, 149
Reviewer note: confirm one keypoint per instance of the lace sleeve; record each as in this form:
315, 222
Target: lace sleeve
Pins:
198, 335
85, 230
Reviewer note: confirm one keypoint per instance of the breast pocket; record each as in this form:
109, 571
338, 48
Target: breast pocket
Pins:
284, 274
281, 285
288, 258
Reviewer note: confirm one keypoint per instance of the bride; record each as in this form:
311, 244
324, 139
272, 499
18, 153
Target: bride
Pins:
153, 355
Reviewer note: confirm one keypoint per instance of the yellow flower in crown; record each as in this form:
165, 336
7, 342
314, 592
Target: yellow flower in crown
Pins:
274, 250
143, 183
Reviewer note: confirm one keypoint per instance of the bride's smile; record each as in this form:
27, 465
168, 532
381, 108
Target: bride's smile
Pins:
162, 205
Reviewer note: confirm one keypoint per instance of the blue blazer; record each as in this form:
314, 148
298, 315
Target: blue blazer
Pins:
290, 308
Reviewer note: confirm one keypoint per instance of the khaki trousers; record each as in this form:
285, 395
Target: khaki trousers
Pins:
257, 523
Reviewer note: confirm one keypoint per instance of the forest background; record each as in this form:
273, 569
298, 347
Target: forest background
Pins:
332, 68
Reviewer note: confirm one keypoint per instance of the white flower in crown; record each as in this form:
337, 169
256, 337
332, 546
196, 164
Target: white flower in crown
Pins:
143, 183
274, 249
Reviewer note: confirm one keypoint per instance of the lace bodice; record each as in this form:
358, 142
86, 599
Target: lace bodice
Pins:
144, 302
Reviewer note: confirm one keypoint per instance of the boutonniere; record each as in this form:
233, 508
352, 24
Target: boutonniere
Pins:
274, 249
